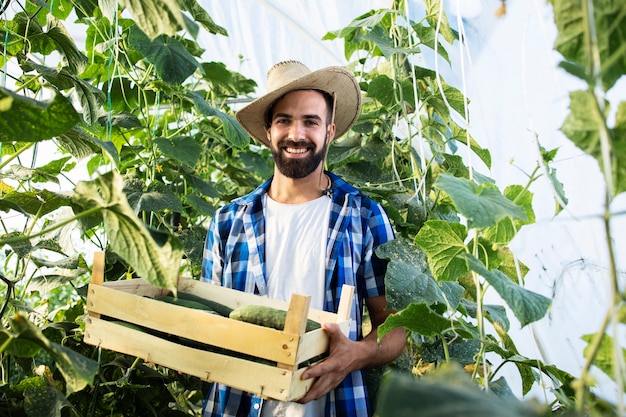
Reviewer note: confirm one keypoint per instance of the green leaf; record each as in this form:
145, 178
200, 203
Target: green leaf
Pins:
42, 400
495, 314
158, 200
156, 17
90, 98
158, 262
78, 143
204, 187
527, 306
583, 122
506, 229
619, 148
482, 205
172, 62
201, 16
34, 202
381, 39
443, 241
418, 318
605, 357
559, 377
233, 131
21, 246
548, 156
26, 120
201, 205
22, 173
427, 35
75, 60
408, 279
448, 392
459, 350
436, 18
77, 370
610, 41
181, 148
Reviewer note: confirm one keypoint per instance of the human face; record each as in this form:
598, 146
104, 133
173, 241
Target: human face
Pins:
298, 133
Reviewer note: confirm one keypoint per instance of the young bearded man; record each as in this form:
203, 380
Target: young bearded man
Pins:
306, 231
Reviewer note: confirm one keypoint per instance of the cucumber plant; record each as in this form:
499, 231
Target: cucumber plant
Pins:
147, 126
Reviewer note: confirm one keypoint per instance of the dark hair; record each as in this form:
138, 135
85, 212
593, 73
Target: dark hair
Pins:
269, 113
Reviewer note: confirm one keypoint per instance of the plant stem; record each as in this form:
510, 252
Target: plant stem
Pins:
15, 155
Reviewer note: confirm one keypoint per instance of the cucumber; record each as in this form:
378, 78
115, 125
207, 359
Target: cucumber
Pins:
221, 309
267, 317
187, 303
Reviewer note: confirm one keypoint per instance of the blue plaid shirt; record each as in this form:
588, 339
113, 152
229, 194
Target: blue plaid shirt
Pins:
234, 257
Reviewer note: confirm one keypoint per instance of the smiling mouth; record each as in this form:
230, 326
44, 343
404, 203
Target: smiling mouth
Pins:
296, 150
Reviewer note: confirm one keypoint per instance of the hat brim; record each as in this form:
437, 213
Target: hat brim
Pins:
335, 80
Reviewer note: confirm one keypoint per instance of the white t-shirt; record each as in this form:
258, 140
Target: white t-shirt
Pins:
295, 259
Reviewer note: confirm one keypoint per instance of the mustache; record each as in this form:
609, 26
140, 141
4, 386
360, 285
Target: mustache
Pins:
289, 143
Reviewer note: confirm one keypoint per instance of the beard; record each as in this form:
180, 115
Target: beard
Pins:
300, 167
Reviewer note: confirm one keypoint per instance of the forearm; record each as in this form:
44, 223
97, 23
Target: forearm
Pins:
370, 353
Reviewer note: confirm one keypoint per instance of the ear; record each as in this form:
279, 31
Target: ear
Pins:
330, 132
267, 135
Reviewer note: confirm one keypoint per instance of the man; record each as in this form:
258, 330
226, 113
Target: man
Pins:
306, 231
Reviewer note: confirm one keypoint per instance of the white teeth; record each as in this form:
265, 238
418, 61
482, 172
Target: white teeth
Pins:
296, 150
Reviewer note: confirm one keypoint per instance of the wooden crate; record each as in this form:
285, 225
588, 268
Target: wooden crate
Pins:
133, 301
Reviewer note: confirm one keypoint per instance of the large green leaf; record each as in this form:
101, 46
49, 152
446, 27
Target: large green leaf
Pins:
574, 36
33, 202
74, 59
584, 122
482, 205
78, 371
201, 16
443, 241
172, 62
42, 400
181, 148
80, 144
156, 17
527, 306
447, 393
233, 131
157, 261
408, 279
23, 119
418, 318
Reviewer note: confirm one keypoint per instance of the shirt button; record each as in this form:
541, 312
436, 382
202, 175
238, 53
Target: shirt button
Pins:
256, 406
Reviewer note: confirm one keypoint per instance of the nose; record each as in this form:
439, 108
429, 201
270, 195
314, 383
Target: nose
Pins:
296, 131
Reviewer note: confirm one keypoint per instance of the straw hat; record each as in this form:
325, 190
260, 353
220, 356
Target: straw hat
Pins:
289, 76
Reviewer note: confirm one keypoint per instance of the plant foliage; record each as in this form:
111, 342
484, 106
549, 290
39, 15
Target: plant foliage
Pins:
147, 125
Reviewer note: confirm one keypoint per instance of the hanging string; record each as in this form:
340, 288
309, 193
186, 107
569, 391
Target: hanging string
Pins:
111, 66
5, 45
421, 186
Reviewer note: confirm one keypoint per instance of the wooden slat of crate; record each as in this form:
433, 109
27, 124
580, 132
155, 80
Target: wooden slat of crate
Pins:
136, 286
266, 381
198, 325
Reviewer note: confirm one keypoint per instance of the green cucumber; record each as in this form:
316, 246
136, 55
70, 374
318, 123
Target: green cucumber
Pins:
221, 309
267, 317
187, 303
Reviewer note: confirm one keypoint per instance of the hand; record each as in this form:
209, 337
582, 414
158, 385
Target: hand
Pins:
331, 371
